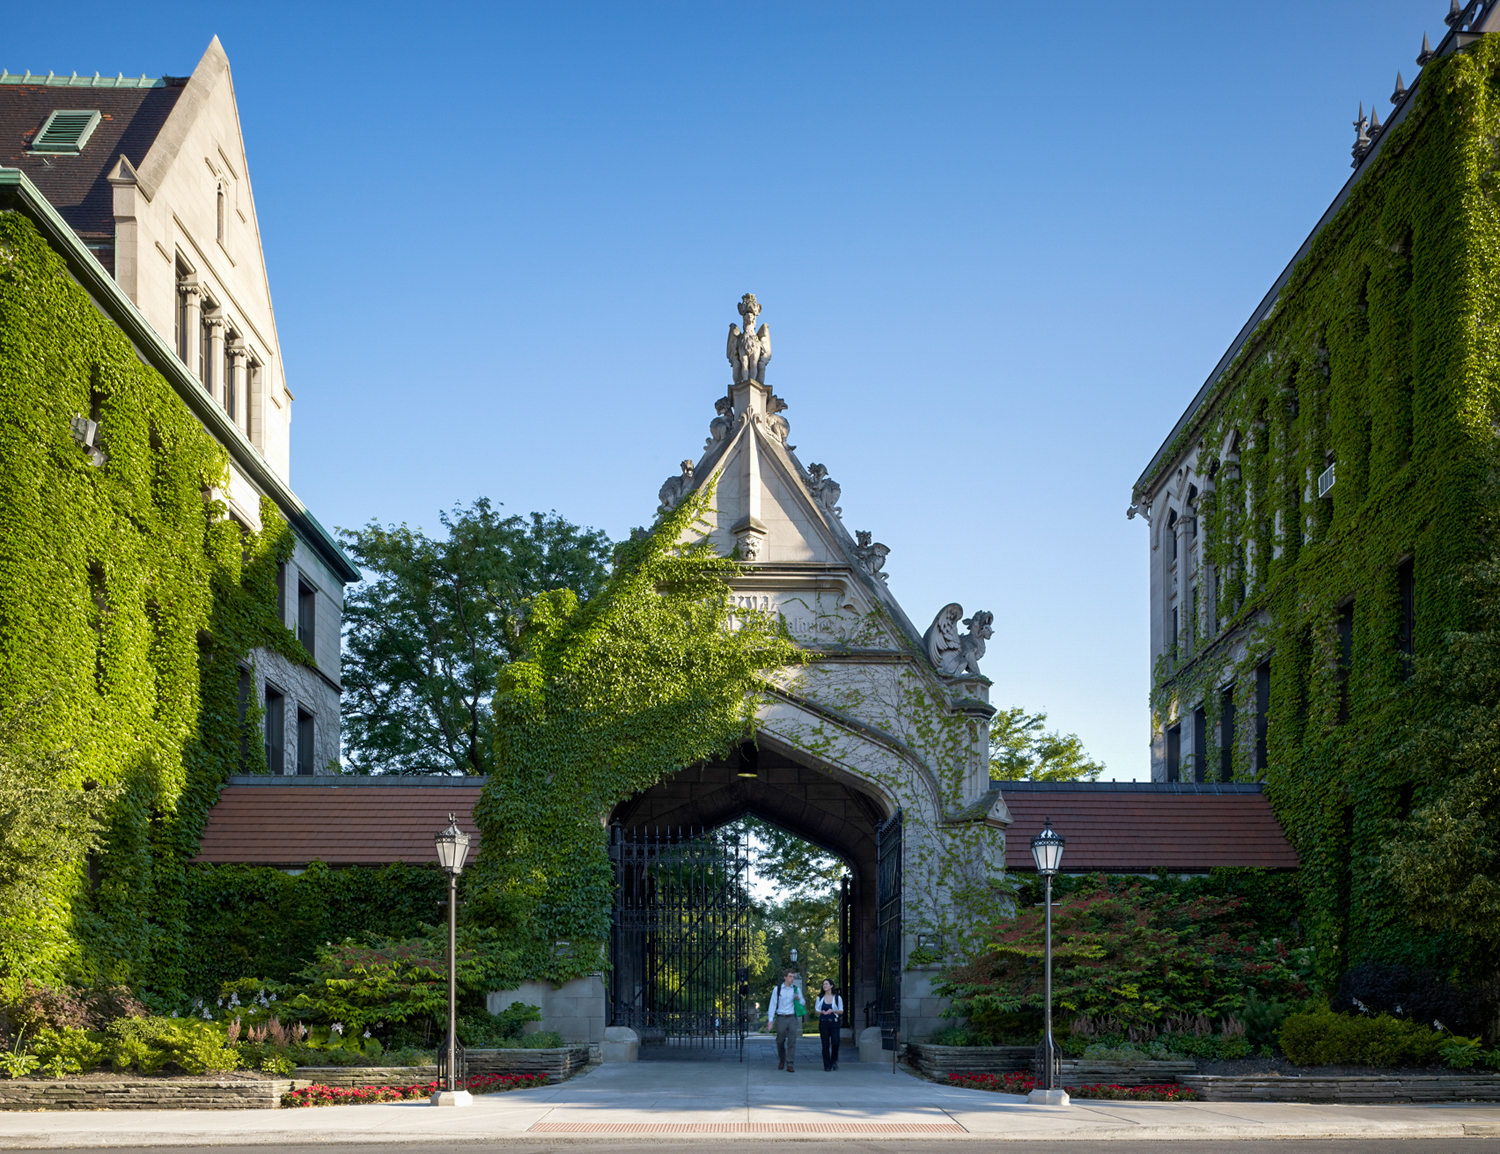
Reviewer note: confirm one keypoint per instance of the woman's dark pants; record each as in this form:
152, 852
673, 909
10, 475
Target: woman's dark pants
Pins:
828, 1033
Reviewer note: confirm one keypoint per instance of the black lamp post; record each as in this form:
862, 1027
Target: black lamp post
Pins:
452, 848
1047, 851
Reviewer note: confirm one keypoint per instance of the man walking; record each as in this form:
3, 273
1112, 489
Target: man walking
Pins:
782, 1018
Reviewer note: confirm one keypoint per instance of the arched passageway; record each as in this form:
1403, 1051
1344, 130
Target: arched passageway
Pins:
833, 814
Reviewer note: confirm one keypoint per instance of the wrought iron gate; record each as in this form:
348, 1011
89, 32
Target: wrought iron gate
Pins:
681, 943
888, 930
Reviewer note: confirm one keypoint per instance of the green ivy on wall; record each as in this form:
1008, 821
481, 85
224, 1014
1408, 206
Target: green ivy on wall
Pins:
128, 603
610, 698
1381, 354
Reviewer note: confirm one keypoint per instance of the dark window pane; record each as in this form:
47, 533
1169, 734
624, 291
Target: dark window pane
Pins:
1174, 753
304, 743
275, 730
1262, 713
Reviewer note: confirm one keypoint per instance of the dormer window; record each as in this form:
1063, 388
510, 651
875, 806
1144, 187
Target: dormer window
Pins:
66, 132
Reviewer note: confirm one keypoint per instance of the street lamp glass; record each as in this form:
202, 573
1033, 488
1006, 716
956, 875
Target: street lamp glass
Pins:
452, 846
1047, 850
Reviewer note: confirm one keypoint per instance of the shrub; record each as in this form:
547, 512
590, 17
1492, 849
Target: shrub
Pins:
66, 1051
485, 1030
1422, 995
1321, 1037
1164, 1093
1125, 951
149, 1044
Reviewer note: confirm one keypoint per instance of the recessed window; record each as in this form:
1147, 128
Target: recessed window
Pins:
1200, 745
307, 616
275, 730
66, 132
1262, 716
1174, 753
304, 743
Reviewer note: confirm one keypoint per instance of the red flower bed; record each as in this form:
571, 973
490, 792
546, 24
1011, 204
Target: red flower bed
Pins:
1019, 1082
1168, 1093
360, 1095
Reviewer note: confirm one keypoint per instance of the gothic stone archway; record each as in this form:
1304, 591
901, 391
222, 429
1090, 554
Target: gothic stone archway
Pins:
835, 815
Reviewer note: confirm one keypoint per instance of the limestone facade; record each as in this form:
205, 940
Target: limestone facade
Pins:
180, 235
871, 712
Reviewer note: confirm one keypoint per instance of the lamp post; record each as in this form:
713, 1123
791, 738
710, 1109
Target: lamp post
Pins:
452, 848
1047, 851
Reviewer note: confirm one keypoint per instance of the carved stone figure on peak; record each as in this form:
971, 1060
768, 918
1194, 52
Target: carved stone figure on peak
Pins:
952, 653
749, 351
872, 554
674, 489
719, 427
824, 488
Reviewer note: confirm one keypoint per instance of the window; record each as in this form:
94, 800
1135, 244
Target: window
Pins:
275, 730
1406, 594
219, 217
65, 132
1172, 533
281, 592
1174, 753
1200, 745
307, 608
1226, 733
1262, 715
1172, 639
1345, 626
206, 346
304, 743
231, 384
1192, 621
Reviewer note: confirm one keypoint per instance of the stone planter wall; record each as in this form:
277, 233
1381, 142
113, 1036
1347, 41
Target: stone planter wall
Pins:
142, 1094
558, 1062
1091, 1073
943, 1060
1374, 1089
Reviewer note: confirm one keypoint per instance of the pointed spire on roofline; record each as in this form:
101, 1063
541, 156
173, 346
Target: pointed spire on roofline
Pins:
1400, 92
1455, 14
1427, 53
1374, 121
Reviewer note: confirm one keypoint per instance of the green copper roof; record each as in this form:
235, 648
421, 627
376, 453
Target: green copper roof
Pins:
76, 81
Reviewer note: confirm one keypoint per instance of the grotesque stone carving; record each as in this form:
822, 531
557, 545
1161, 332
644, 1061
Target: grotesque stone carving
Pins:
950, 653
719, 427
750, 546
749, 351
825, 489
780, 428
872, 555
674, 489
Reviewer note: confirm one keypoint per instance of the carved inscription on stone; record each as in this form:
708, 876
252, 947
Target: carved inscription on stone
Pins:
817, 617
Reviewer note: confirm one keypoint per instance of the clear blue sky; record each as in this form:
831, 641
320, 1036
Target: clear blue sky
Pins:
1000, 247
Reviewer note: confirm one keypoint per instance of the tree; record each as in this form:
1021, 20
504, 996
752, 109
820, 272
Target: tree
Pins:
429, 628
1021, 749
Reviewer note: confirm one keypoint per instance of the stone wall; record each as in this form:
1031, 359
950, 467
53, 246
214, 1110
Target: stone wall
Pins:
143, 1094
941, 1061
1374, 1089
577, 1010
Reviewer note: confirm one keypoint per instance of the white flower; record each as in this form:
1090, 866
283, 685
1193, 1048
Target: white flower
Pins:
273, 997
207, 1017
338, 1028
234, 999
221, 1003
367, 1031
174, 1013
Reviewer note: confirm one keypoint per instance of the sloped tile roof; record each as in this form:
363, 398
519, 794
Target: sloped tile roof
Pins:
342, 821
78, 186
1137, 827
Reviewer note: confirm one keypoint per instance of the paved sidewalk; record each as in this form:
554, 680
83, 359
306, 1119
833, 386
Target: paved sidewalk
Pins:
726, 1100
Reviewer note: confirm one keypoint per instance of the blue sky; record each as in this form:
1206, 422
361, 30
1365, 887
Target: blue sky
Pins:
999, 250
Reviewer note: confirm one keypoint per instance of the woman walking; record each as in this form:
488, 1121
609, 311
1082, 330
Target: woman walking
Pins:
830, 1009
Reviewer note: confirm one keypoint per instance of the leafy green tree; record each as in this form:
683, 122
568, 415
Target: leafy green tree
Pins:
428, 630
1022, 749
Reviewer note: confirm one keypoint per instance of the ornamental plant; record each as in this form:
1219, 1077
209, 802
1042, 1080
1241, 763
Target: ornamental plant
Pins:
320, 1095
1121, 951
1320, 1037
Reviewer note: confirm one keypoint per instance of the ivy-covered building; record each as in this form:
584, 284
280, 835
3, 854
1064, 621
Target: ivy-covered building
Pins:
1310, 512
169, 609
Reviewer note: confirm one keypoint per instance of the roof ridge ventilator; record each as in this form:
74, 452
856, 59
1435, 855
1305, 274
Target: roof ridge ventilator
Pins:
66, 132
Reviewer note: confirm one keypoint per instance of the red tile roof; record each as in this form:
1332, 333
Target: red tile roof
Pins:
77, 186
1183, 829
341, 821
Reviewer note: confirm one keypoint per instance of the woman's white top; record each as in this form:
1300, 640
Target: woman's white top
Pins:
822, 1004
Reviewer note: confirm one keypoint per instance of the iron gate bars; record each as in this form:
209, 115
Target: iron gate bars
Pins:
681, 943
888, 930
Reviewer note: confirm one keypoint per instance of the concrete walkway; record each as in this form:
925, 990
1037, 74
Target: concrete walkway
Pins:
728, 1101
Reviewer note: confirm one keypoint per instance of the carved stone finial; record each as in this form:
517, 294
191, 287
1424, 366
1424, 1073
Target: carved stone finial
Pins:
674, 489
719, 427
954, 655
749, 351
871, 554
825, 490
